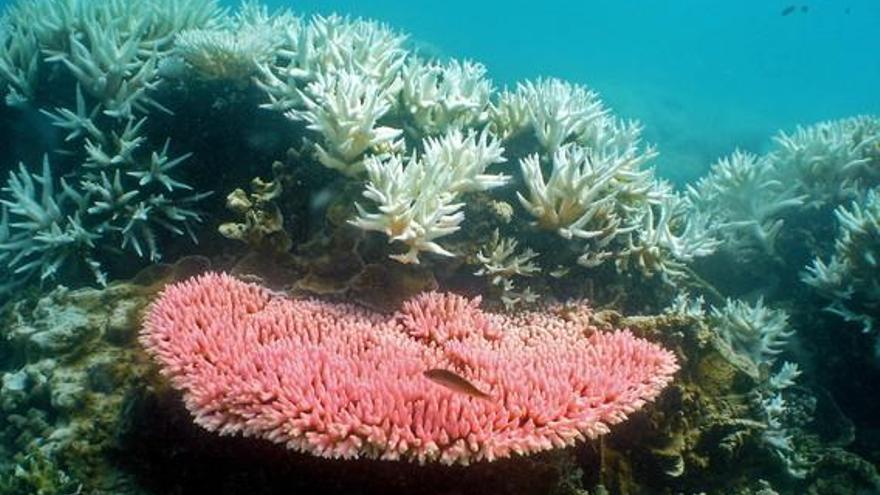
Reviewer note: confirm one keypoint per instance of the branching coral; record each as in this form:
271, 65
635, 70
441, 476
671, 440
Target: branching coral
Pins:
666, 239
48, 228
119, 188
775, 410
235, 51
604, 198
112, 48
577, 193
749, 198
325, 46
344, 108
831, 161
418, 202
744, 195
851, 278
755, 331
438, 96
45, 229
19, 61
554, 110
340, 77
366, 100
501, 263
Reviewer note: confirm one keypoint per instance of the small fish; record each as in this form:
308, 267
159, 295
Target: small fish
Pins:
455, 382
789, 10
805, 8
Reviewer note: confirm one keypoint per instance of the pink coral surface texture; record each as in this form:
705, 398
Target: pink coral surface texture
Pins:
337, 380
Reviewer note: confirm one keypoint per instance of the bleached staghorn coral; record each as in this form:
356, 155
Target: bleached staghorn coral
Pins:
831, 161
554, 110
684, 304
110, 67
501, 263
605, 199
341, 77
418, 202
851, 278
327, 45
755, 331
777, 433
235, 52
744, 197
577, 200
111, 47
80, 122
439, 96
344, 109
19, 61
44, 229
155, 22
667, 238
120, 190
769, 406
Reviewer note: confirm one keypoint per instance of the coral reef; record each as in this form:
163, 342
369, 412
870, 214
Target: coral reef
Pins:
744, 195
502, 264
831, 161
417, 202
68, 370
850, 277
117, 190
755, 331
338, 381
395, 172
819, 175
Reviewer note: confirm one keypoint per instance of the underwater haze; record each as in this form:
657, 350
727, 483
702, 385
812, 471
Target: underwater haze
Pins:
703, 77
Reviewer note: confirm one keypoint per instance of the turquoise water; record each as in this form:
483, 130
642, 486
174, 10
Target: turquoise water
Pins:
703, 77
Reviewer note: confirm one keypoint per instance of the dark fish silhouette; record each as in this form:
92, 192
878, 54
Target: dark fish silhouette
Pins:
791, 9
454, 381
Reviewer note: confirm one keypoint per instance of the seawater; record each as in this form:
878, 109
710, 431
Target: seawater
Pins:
704, 77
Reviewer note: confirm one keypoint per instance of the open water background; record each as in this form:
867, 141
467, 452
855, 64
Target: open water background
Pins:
704, 76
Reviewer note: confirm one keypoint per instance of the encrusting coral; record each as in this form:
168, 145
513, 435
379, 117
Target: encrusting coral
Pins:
70, 374
339, 381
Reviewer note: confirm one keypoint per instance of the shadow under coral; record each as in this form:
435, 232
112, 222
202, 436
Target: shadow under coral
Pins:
168, 453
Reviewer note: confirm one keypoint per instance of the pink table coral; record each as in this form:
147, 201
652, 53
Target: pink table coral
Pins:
337, 380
